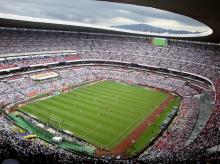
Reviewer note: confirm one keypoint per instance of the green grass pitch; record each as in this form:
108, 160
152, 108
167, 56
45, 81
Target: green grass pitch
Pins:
103, 113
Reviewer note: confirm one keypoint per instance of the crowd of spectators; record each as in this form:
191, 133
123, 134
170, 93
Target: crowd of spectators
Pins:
19, 88
24, 84
37, 151
195, 58
31, 60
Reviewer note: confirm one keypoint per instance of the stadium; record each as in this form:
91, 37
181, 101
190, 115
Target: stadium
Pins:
74, 92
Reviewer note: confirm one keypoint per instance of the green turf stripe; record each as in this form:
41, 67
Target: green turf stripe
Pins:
117, 109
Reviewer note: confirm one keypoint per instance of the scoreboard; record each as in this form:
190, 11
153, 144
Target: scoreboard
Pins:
159, 41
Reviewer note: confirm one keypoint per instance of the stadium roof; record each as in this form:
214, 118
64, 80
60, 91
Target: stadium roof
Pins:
202, 10
16, 17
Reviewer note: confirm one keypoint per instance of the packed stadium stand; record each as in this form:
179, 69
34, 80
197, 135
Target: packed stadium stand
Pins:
188, 69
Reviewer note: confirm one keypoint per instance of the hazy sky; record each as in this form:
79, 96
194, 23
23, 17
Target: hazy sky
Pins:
99, 13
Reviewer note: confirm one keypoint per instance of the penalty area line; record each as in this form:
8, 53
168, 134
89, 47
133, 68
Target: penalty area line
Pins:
124, 131
92, 130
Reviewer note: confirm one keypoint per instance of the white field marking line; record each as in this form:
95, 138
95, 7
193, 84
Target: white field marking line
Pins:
89, 83
47, 97
133, 124
117, 137
51, 124
46, 113
92, 130
40, 99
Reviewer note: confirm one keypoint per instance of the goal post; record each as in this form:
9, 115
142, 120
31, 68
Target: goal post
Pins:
55, 122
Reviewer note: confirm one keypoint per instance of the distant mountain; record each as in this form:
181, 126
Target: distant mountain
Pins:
149, 28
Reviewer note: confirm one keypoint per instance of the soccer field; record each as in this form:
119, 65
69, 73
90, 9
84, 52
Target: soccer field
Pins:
103, 113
